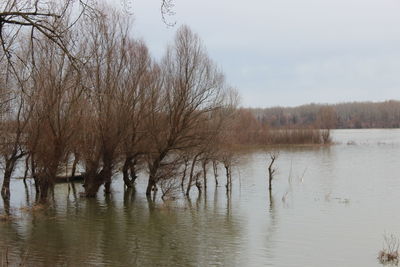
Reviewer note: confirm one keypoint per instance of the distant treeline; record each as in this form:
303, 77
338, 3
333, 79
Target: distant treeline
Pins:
354, 115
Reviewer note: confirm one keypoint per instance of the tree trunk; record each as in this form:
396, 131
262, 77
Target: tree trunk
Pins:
107, 187
106, 174
228, 176
48, 175
271, 172
74, 164
198, 183
151, 184
191, 174
46, 182
6, 205
271, 201
92, 183
5, 189
125, 172
184, 172
215, 168
153, 168
34, 175
26, 168
205, 174
132, 169
270, 182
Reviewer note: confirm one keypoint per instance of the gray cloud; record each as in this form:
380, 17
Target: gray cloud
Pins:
291, 52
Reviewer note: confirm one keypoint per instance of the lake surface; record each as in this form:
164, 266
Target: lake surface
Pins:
330, 206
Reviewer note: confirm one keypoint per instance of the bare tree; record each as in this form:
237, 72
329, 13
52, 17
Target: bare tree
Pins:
55, 102
13, 118
191, 89
271, 169
227, 159
115, 73
226, 139
138, 79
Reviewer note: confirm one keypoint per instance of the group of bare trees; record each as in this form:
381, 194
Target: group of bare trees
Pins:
349, 115
96, 99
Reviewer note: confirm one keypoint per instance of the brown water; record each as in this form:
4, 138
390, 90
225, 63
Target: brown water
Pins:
330, 207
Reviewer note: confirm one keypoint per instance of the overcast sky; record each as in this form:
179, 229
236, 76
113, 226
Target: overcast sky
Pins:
290, 52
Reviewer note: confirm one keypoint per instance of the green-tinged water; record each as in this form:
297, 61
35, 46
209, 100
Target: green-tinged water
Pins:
330, 207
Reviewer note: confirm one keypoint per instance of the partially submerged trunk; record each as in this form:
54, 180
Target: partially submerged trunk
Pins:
228, 176
186, 160
6, 205
198, 183
153, 169
8, 171
46, 181
151, 185
129, 171
5, 189
93, 181
125, 172
205, 174
105, 175
107, 185
132, 170
191, 174
215, 169
26, 168
48, 164
74, 164
34, 175
271, 171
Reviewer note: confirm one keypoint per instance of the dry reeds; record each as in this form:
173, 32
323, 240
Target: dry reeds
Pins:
390, 252
290, 136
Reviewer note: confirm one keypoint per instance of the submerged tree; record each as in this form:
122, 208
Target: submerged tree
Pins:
107, 82
140, 76
271, 169
14, 116
55, 103
192, 88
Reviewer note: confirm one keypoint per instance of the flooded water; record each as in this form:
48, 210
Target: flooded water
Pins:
330, 206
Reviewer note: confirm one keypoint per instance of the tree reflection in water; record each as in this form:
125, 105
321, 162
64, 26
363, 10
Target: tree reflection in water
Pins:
123, 229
